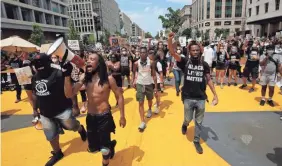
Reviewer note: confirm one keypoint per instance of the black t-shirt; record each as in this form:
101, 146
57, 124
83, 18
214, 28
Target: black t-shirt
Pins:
124, 61
221, 58
250, 62
194, 78
233, 57
51, 99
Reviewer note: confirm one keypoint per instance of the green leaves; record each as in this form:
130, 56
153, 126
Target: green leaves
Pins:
187, 32
37, 36
73, 34
171, 20
148, 35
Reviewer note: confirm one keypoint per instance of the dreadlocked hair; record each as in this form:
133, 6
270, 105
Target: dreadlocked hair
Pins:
101, 70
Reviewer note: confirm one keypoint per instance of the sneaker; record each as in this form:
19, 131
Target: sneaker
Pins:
229, 84
128, 86
184, 129
55, 158
156, 109
251, 90
142, 127
149, 114
221, 86
198, 147
177, 93
83, 108
270, 102
262, 102
243, 86
83, 134
235, 84
113, 145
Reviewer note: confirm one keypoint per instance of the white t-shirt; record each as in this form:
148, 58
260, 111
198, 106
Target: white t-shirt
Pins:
175, 63
160, 69
208, 55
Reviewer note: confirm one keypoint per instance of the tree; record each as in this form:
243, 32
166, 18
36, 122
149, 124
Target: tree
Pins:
207, 34
148, 35
73, 34
104, 39
117, 33
91, 39
36, 36
198, 33
161, 33
157, 36
172, 20
224, 32
187, 32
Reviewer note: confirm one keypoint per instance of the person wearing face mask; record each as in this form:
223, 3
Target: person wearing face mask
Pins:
114, 66
233, 64
251, 67
271, 63
177, 71
55, 59
125, 65
51, 98
222, 57
14, 63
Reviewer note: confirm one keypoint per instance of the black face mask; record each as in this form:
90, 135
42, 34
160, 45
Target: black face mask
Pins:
42, 60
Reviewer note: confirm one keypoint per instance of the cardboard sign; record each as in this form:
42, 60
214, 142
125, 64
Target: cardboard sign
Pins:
73, 44
182, 41
23, 75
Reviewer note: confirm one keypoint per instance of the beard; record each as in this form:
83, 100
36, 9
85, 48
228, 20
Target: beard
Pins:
89, 74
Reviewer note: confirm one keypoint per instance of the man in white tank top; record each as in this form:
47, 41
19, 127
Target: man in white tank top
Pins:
144, 74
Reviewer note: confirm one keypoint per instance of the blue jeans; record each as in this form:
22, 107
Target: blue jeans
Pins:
197, 106
177, 77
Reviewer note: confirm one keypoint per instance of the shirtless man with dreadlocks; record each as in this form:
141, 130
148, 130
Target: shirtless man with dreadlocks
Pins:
196, 76
99, 119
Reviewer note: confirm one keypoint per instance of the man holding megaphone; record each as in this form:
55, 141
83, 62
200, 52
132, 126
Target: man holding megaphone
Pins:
53, 100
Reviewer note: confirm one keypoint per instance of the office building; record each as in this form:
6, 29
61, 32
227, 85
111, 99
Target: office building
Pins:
18, 16
264, 17
185, 14
82, 16
126, 24
136, 30
108, 14
212, 14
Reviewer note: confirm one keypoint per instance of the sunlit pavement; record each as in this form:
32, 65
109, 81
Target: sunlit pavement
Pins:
236, 132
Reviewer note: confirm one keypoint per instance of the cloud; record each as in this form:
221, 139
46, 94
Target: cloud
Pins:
185, 2
147, 9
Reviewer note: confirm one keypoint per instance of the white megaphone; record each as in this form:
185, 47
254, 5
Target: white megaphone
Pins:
59, 48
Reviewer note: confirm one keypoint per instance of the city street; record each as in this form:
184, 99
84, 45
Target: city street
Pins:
236, 132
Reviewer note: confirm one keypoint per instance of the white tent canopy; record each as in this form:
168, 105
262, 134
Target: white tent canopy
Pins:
15, 43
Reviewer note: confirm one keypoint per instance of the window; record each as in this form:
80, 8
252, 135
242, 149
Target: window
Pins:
26, 13
228, 8
48, 18
277, 4
218, 8
35, 3
250, 1
238, 8
237, 29
24, 1
257, 10
237, 22
266, 7
217, 23
250, 12
11, 11
38, 17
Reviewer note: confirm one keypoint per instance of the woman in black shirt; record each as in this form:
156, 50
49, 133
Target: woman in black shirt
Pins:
222, 57
233, 64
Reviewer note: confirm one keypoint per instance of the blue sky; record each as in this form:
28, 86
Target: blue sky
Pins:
145, 12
